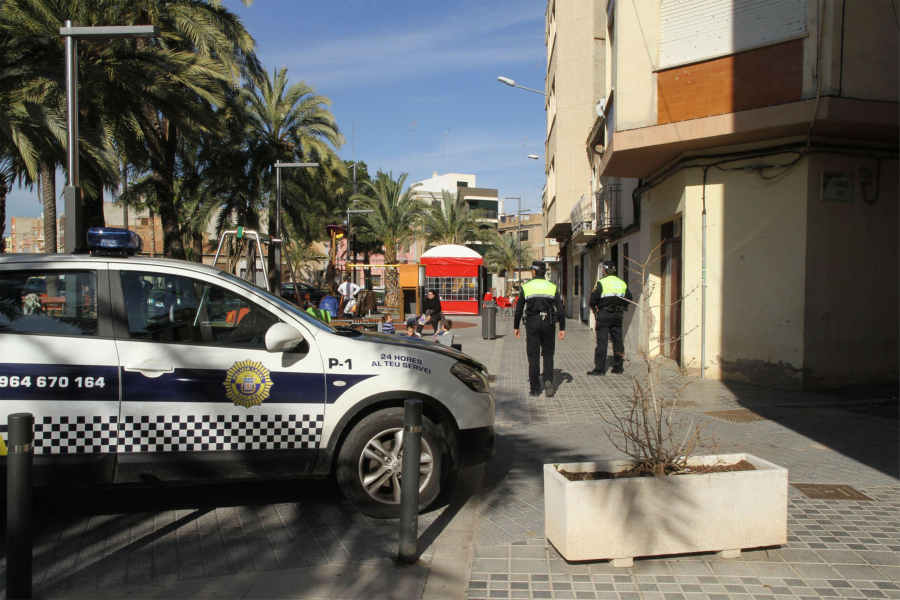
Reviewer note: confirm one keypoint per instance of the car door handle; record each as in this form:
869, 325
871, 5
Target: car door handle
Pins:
149, 369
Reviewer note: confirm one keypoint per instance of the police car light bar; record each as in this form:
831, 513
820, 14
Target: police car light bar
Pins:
113, 241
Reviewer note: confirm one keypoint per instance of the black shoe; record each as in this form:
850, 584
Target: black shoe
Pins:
617, 370
549, 390
596, 372
534, 392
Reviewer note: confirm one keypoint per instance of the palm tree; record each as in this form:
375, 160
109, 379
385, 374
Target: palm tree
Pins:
396, 214
291, 123
505, 254
450, 221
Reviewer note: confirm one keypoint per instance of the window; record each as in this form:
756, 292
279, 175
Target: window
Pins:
460, 184
53, 302
170, 308
453, 288
523, 235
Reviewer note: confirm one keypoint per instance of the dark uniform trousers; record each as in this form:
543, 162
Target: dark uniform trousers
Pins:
609, 325
539, 339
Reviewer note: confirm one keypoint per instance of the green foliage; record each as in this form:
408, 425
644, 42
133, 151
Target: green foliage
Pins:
505, 254
449, 221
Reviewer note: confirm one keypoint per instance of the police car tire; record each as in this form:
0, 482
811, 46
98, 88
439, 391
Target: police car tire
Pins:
348, 462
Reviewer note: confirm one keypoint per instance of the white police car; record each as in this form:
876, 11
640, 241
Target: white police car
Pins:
164, 366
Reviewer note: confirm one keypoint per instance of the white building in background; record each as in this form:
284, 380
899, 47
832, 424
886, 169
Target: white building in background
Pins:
430, 189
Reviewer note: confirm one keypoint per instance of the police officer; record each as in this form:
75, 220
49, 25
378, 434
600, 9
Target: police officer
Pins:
608, 301
542, 305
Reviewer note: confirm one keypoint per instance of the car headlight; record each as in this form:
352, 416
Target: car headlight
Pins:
470, 376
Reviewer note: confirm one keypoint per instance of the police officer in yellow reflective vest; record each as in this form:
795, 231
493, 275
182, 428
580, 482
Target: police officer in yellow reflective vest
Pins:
608, 301
539, 300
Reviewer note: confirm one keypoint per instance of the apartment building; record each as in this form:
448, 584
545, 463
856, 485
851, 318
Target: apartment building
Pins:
26, 235
141, 221
529, 230
484, 202
575, 39
763, 135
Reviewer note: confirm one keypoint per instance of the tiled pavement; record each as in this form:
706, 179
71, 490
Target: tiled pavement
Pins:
305, 541
836, 549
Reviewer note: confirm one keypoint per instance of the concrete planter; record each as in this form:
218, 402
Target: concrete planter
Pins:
620, 519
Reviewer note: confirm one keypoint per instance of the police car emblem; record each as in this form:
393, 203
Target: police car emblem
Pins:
248, 383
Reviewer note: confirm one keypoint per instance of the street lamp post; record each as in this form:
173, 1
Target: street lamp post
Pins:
519, 213
512, 83
76, 230
275, 240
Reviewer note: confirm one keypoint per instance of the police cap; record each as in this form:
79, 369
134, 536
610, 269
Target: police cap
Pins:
609, 267
538, 266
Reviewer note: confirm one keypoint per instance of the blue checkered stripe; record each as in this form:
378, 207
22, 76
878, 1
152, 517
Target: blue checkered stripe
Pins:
174, 433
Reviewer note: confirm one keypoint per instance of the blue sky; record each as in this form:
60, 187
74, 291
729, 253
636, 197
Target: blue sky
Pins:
413, 84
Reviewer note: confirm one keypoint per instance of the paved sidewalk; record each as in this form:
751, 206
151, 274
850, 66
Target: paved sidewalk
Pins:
303, 540
836, 548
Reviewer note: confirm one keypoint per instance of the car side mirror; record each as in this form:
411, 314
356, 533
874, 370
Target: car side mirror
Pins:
281, 337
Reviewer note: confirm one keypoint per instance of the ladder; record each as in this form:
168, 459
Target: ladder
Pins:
245, 245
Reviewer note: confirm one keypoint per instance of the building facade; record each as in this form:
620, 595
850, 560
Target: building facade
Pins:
528, 229
755, 148
575, 38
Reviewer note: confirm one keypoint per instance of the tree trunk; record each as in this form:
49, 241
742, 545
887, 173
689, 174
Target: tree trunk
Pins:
173, 244
271, 229
197, 246
3, 191
152, 232
393, 297
48, 200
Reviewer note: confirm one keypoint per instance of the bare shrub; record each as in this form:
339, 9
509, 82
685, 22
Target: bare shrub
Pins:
651, 431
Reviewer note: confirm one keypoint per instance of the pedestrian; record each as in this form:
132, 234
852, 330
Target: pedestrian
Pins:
388, 325
431, 306
609, 300
542, 306
411, 327
348, 291
444, 327
330, 303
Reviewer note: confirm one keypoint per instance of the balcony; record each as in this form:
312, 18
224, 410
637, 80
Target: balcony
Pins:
582, 219
609, 211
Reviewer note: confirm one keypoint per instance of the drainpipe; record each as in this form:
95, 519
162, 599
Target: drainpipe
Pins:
703, 279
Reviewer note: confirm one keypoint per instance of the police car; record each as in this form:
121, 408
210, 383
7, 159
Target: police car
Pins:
165, 366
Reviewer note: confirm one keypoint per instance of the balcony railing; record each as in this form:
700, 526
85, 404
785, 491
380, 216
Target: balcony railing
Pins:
582, 219
609, 210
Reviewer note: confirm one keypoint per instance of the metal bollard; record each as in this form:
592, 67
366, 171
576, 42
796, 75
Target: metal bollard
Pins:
18, 505
409, 488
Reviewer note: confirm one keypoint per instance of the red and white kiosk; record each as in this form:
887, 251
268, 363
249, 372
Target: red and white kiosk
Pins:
452, 271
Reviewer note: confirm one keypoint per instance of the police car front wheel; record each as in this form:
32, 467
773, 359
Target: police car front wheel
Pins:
371, 460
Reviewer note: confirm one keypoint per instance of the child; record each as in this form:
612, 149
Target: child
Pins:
388, 325
411, 327
444, 326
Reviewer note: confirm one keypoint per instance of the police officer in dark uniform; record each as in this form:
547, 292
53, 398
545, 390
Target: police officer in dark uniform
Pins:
609, 301
542, 305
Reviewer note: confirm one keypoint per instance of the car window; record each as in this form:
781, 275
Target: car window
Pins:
171, 308
281, 302
48, 301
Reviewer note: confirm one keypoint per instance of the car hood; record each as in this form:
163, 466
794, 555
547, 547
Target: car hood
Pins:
418, 344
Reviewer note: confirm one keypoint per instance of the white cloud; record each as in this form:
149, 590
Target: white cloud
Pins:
484, 37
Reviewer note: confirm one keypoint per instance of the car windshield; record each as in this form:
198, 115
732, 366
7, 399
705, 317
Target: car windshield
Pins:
284, 304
